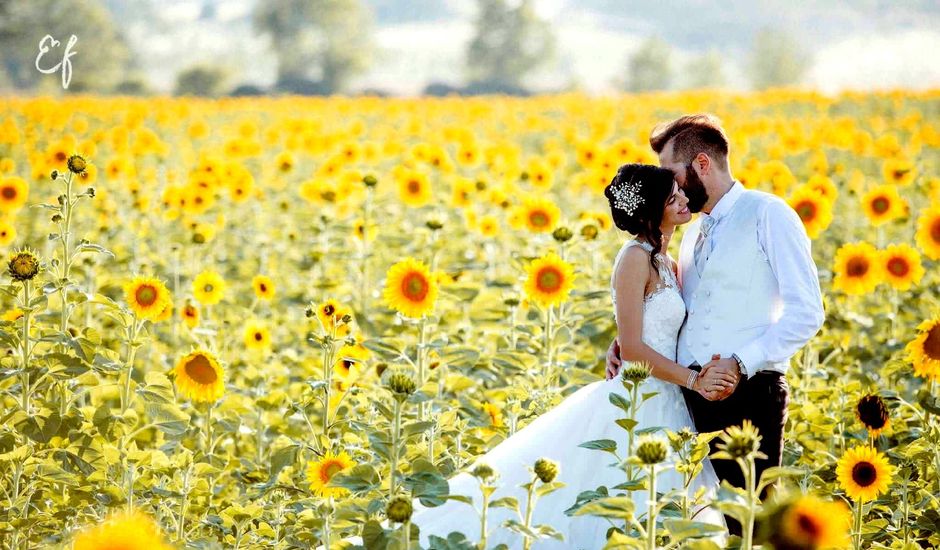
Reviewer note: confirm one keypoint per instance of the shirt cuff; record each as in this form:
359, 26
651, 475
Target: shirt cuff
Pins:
753, 358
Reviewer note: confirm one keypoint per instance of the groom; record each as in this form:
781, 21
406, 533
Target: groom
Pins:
750, 287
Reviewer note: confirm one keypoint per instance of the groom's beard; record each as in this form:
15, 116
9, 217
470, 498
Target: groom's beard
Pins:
694, 190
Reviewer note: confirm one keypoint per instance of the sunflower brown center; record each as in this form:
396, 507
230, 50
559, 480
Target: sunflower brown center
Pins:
880, 205
932, 343
935, 231
208, 287
538, 218
263, 287
331, 469
898, 267
806, 210
259, 337
200, 370
857, 267
808, 526
549, 279
9, 192
414, 286
146, 295
864, 474
414, 186
328, 310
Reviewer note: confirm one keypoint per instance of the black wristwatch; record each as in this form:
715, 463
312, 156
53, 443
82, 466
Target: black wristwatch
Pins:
741, 368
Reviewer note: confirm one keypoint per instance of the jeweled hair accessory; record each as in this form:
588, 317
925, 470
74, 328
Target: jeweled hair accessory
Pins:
627, 197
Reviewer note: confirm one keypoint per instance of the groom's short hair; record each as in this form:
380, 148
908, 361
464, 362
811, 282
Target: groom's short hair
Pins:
693, 134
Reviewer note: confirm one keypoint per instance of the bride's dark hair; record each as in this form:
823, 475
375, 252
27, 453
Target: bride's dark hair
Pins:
652, 186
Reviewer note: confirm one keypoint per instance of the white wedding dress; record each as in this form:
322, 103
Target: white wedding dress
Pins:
583, 416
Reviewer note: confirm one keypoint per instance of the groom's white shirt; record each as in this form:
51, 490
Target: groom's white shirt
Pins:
761, 300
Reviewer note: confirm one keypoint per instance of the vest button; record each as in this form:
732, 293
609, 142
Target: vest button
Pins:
708, 292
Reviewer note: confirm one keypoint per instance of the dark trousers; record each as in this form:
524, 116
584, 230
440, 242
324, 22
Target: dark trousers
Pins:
762, 399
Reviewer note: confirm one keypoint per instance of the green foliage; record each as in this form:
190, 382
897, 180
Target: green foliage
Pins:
650, 66
326, 41
777, 59
508, 44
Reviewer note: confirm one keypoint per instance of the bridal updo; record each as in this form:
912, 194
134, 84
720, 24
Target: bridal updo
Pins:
637, 196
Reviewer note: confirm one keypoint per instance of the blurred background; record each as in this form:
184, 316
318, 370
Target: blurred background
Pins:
439, 47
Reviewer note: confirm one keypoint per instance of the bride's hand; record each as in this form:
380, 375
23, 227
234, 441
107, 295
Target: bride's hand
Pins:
715, 379
613, 360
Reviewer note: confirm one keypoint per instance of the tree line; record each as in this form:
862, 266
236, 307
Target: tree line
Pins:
322, 45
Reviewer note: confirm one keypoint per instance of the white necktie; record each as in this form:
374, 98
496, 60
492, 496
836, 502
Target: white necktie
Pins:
703, 244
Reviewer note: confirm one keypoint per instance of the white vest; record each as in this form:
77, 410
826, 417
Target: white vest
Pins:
737, 297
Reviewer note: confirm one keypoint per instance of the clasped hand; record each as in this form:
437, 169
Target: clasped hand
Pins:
718, 378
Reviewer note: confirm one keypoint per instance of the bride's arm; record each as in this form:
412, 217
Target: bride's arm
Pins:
631, 278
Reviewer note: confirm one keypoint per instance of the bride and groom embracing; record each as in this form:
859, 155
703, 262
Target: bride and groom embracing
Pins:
717, 328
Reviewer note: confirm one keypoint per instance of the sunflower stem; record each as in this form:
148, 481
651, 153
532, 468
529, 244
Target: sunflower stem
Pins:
422, 338
530, 490
396, 434
182, 519
857, 529
26, 345
328, 376
132, 333
651, 512
747, 541
66, 235
209, 428
549, 341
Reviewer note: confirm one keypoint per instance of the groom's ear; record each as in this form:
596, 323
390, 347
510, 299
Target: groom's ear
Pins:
703, 162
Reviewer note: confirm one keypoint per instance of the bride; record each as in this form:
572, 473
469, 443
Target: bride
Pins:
648, 309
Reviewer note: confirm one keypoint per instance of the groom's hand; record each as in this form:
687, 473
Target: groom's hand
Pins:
613, 360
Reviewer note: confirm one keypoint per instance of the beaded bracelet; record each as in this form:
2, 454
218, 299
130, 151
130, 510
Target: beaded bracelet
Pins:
693, 376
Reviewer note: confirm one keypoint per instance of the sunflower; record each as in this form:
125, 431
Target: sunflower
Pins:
902, 266
538, 215
496, 416
898, 171
208, 287
823, 184
857, 270
872, 412
146, 296
550, 279
263, 286
191, 314
809, 522
12, 314
256, 335
199, 376
13, 193
883, 204
320, 472
928, 232
813, 208
924, 351
414, 188
864, 473
166, 313
349, 360
7, 233
488, 226
329, 313
126, 531
410, 289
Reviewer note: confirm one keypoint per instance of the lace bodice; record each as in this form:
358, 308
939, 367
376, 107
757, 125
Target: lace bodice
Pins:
663, 309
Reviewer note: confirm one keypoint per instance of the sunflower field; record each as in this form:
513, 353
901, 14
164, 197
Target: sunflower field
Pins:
282, 322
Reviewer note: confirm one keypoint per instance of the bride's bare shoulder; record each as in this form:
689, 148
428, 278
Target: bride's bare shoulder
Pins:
633, 263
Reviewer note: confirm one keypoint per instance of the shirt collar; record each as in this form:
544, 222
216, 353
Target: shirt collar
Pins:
726, 202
